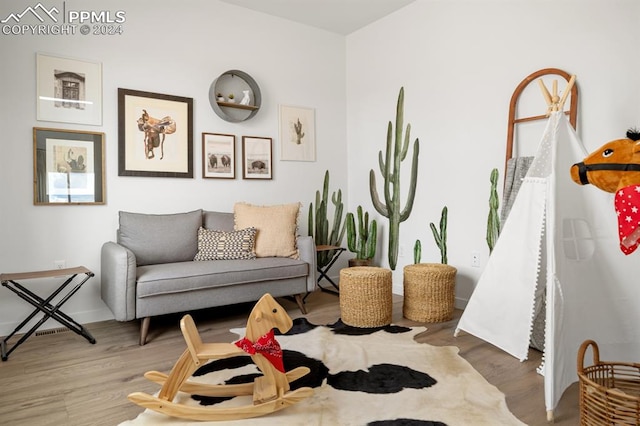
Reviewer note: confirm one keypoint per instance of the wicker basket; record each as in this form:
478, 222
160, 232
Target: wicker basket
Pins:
365, 296
609, 391
429, 292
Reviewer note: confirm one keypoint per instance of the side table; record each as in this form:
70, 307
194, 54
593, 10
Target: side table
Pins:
10, 281
323, 271
366, 296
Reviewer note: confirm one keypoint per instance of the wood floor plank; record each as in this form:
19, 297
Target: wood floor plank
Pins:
62, 379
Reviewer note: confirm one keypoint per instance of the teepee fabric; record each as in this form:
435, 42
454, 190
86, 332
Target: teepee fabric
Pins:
563, 237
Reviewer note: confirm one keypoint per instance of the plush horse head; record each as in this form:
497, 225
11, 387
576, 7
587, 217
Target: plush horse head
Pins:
615, 167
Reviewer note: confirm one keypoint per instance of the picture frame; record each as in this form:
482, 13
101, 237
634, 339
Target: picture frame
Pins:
218, 156
68, 167
155, 134
257, 158
297, 133
68, 90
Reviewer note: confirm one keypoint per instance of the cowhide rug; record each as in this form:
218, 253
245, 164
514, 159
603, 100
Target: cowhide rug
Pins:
379, 376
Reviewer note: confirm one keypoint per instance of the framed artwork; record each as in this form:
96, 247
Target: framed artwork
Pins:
218, 156
68, 167
155, 134
68, 90
297, 133
257, 161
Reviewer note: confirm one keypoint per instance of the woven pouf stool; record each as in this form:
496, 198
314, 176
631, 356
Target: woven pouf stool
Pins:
429, 292
365, 296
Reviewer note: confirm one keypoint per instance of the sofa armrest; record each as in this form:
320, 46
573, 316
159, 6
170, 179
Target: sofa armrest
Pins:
118, 280
307, 252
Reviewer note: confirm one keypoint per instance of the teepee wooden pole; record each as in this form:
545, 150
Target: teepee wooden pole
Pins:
566, 92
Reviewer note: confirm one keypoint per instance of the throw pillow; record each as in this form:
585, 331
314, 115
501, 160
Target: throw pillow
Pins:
160, 238
277, 227
221, 245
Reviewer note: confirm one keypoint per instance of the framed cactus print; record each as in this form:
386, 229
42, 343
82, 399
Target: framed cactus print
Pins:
297, 133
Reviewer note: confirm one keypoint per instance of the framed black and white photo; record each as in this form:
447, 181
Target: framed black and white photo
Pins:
257, 161
297, 133
155, 134
218, 156
68, 90
68, 167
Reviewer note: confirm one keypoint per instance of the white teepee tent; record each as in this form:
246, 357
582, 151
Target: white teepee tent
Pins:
563, 236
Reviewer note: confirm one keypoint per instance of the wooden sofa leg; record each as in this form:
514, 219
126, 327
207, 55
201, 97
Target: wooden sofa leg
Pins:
144, 330
300, 303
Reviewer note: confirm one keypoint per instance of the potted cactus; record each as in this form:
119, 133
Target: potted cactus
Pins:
361, 240
429, 288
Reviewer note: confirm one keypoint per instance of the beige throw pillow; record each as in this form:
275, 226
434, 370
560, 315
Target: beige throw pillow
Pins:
277, 227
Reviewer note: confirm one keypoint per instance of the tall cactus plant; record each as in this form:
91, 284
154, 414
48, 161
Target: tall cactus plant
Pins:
493, 221
396, 152
318, 224
361, 240
440, 236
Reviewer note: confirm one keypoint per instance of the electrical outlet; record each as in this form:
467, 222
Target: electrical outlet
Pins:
475, 259
401, 251
59, 264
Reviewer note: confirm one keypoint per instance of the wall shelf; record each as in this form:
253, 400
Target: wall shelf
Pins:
236, 82
238, 106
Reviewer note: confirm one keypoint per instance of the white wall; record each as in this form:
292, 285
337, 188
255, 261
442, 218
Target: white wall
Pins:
177, 49
459, 62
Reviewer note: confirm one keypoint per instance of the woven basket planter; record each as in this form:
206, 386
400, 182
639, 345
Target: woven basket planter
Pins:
365, 296
429, 292
609, 391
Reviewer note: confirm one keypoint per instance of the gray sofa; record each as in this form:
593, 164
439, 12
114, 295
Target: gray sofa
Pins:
150, 270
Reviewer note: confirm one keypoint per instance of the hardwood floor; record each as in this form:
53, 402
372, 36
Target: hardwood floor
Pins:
61, 379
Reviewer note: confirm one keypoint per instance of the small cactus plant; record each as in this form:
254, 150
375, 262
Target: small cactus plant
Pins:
493, 221
417, 252
440, 236
319, 224
361, 240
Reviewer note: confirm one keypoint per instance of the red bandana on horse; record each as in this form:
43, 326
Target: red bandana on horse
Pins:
266, 346
627, 204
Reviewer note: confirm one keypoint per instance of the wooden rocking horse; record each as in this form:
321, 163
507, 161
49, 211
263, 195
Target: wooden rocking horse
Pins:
271, 392
615, 168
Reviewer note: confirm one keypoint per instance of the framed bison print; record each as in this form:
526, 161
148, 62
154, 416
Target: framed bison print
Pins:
257, 158
218, 156
155, 134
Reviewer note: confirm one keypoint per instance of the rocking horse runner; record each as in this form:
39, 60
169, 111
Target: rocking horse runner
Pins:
271, 392
615, 168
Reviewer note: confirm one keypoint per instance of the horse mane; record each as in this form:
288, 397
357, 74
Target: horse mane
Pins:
634, 134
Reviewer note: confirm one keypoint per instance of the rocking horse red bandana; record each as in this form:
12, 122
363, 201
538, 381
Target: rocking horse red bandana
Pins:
627, 202
267, 346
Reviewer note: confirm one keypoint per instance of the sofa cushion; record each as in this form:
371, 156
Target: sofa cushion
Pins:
277, 227
220, 245
182, 277
221, 221
160, 238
